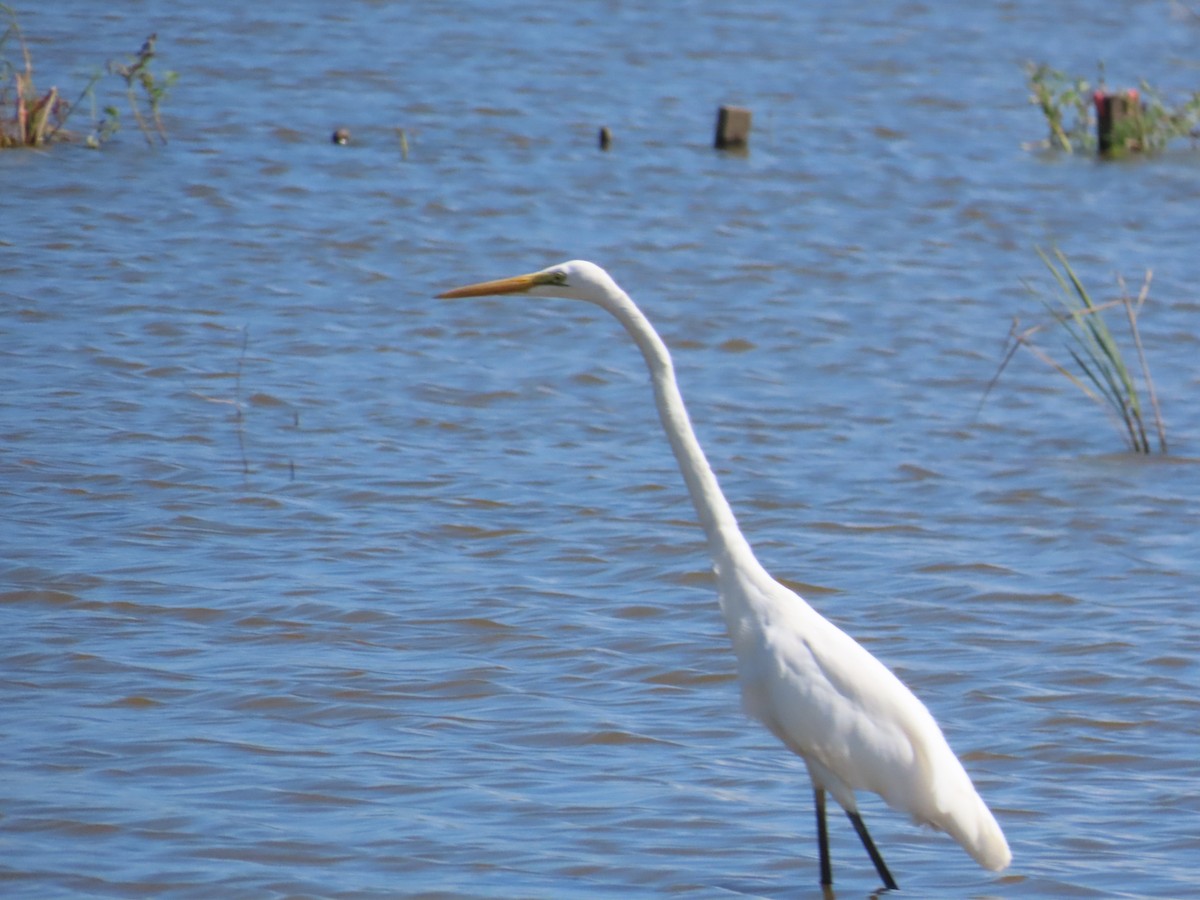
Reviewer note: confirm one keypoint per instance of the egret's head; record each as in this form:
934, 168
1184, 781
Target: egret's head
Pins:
575, 280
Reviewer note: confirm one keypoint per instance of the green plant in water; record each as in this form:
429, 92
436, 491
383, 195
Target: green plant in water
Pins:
1069, 106
136, 73
1103, 374
1159, 123
104, 128
1066, 104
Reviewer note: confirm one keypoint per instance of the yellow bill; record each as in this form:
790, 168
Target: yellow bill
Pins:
515, 285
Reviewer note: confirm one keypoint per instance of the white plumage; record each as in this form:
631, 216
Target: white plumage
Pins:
854, 723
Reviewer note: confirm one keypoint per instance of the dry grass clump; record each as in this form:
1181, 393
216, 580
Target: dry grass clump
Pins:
35, 116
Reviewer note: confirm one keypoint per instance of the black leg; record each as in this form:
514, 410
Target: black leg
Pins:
823, 837
880, 865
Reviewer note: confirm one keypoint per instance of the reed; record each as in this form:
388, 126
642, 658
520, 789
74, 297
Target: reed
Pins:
1101, 371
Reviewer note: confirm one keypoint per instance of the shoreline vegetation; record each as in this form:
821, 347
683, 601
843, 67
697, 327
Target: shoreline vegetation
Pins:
31, 117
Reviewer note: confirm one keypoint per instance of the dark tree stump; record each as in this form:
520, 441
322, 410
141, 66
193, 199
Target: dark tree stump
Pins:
1118, 118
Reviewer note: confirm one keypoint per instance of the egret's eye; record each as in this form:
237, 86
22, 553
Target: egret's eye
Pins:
559, 278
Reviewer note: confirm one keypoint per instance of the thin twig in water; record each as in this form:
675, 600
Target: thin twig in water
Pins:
1131, 312
237, 396
236, 402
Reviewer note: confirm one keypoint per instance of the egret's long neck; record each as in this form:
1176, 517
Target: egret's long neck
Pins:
720, 526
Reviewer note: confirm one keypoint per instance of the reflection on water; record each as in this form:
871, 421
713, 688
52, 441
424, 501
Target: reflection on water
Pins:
315, 586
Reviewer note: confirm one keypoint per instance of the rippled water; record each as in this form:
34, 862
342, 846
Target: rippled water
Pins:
313, 586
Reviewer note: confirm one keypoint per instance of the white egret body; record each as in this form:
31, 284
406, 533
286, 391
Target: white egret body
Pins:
852, 721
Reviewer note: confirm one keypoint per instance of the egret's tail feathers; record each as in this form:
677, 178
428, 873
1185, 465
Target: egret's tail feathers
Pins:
980, 835
992, 851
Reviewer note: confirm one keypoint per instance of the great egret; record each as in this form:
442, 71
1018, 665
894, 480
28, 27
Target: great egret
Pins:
855, 725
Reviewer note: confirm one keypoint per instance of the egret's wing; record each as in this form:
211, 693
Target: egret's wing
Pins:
859, 727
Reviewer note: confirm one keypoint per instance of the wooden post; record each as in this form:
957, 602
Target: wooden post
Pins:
605, 138
1117, 118
733, 128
